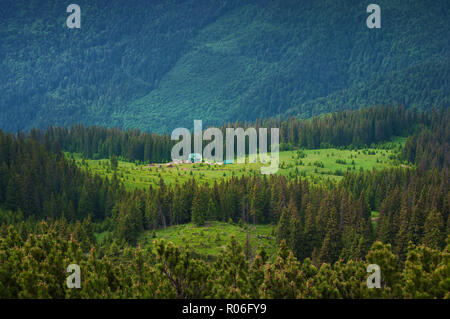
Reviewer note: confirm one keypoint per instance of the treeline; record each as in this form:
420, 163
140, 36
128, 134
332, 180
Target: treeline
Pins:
347, 128
101, 142
430, 148
413, 205
33, 266
37, 181
359, 128
324, 222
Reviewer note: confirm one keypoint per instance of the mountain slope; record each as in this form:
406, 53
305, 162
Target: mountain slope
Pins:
159, 65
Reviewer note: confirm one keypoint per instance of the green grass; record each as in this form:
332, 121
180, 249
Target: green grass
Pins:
334, 163
374, 217
320, 164
209, 240
100, 237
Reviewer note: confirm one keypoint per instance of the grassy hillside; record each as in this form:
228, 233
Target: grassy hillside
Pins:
157, 65
208, 241
315, 164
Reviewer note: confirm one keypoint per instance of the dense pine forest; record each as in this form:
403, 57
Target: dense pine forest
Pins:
51, 211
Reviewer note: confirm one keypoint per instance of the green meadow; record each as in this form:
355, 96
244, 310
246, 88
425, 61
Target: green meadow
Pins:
208, 241
317, 164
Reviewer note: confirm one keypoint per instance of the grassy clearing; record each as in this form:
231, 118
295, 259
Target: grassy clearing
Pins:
317, 164
334, 163
100, 237
208, 241
374, 217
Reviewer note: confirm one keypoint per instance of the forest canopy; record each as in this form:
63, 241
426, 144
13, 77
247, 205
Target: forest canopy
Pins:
158, 65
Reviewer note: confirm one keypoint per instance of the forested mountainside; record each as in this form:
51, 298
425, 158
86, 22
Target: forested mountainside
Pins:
52, 213
157, 65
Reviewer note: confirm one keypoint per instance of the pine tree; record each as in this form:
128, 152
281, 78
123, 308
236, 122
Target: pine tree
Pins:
381, 255
331, 246
232, 272
198, 208
434, 230
284, 226
425, 274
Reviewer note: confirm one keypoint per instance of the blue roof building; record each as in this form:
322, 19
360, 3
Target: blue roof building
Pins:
195, 158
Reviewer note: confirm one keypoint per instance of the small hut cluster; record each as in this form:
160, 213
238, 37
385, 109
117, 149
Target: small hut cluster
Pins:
194, 158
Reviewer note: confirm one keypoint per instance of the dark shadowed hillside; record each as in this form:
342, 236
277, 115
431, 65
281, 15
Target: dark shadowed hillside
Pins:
157, 65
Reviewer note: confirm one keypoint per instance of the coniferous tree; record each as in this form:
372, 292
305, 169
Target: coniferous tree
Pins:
433, 236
